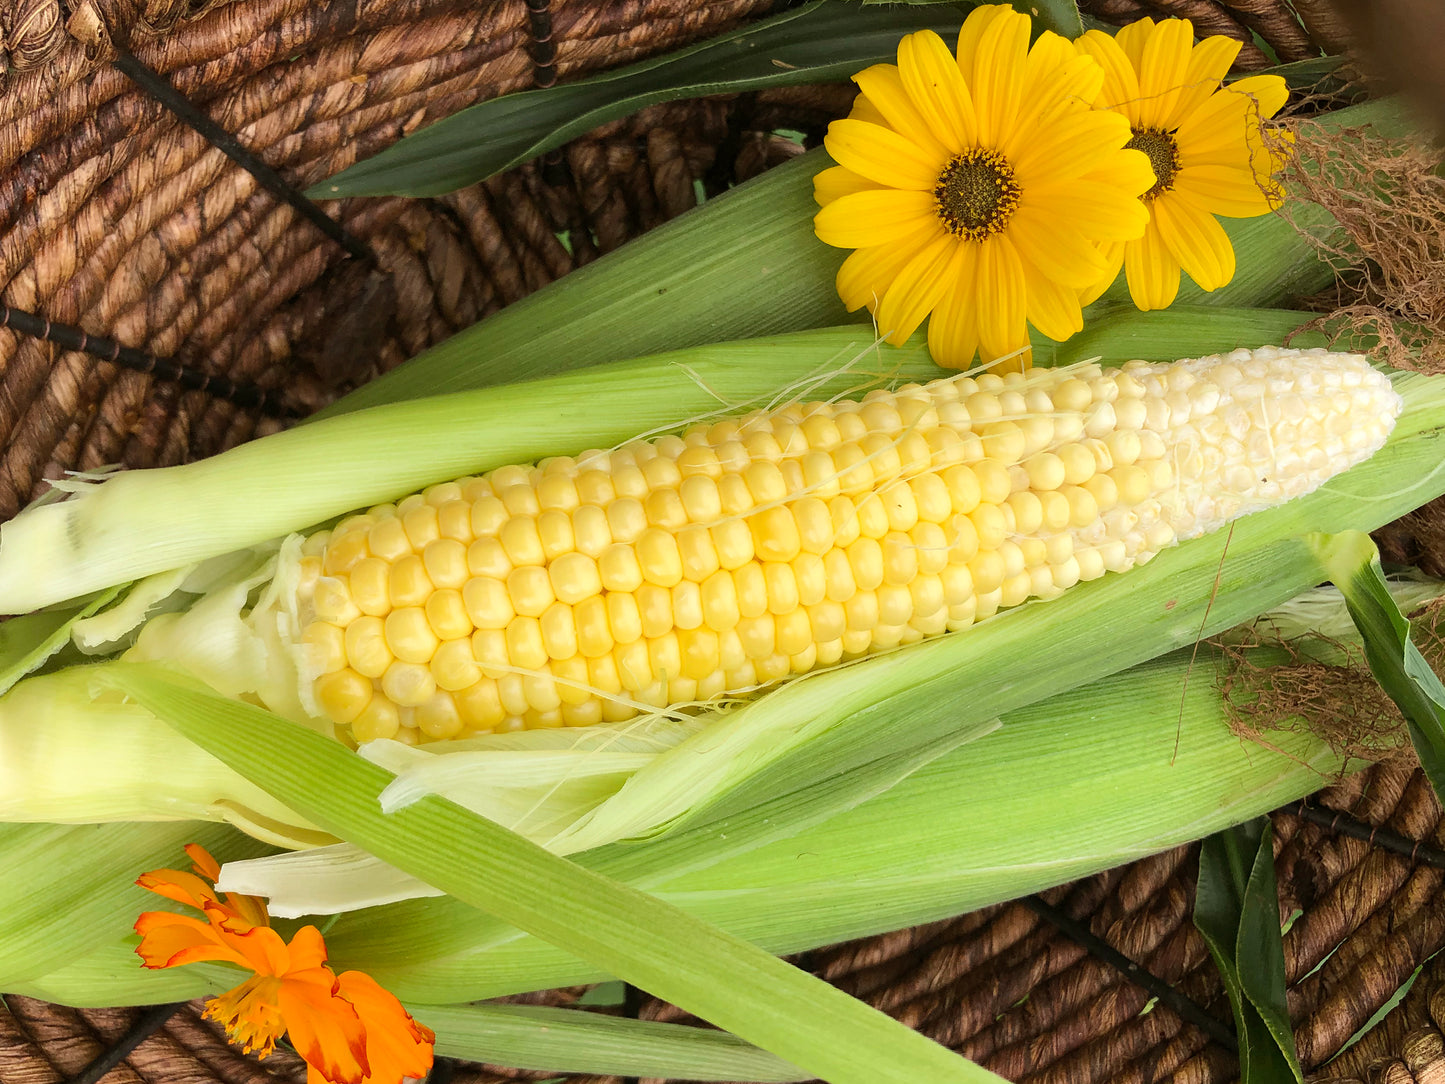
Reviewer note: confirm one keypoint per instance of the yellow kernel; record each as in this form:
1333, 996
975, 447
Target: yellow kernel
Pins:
409, 635
344, 551
489, 515
964, 539
895, 604
658, 557
487, 602
957, 584
687, 605
343, 695
781, 587
883, 457
634, 666
900, 559
594, 637
987, 570
664, 509
699, 461
379, 720
445, 561
758, 636
654, 606
765, 482
558, 492
366, 648
811, 575
590, 531
733, 541
930, 545
624, 619
520, 499
525, 647
626, 519
899, 506
872, 516
700, 499
862, 612
662, 473
752, 590
587, 713
794, 633
1104, 491
542, 698
570, 678
554, 528
698, 649
332, 601
602, 675
664, 655
1083, 507
619, 569
733, 491
844, 514
820, 476
1078, 462
387, 539
699, 555
559, 631
447, 615
854, 469
454, 521
720, 601
775, 534
453, 667
1132, 483
369, 590
421, 526
519, 537
408, 684
442, 492
438, 718
486, 557
828, 620
489, 648
1028, 511
328, 644
531, 590
1045, 471
407, 583
594, 487
866, 566
988, 522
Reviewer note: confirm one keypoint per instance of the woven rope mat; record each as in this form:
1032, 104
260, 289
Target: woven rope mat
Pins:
117, 217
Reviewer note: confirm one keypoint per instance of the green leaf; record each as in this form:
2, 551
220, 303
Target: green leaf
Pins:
566, 1040
638, 938
1060, 16
821, 42
1237, 910
1353, 564
27, 641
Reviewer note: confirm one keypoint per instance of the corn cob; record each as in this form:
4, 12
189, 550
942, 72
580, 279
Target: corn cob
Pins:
682, 569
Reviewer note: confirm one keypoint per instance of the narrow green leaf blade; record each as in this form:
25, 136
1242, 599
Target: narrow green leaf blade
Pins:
1353, 564
27, 641
1237, 910
634, 936
1060, 16
569, 1041
821, 42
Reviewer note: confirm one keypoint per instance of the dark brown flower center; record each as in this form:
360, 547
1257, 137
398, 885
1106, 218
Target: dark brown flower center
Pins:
1163, 154
976, 194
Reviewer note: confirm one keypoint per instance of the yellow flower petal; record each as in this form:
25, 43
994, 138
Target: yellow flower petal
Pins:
868, 272
1120, 91
917, 289
1057, 82
1196, 240
1221, 126
1268, 92
1002, 299
1056, 248
1225, 190
1072, 146
953, 327
863, 109
1163, 66
1132, 39
1053, 308
931, 77
876, 217
1113, 254
884, 89
1152, 271
882, 155
1101, 211
979, 20
838, 181
998, 75
1208, 65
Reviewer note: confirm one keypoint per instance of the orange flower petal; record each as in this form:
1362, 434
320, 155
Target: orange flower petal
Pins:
882, 155
883, 87
1152, 271
878, 217
1163, 65
204, 865
169, 940
324, 1027
931, 77
396, 1045
182, 887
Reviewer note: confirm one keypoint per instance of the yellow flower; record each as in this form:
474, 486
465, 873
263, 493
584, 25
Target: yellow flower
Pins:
978, 189
349, 1029
1205, 145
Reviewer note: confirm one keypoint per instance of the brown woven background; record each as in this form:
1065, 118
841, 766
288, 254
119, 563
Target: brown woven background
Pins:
116, 217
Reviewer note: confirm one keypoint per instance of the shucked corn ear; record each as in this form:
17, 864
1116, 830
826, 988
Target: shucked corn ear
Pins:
681, 569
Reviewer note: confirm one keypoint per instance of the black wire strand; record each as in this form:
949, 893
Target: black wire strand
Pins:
150, 1022
1346, 825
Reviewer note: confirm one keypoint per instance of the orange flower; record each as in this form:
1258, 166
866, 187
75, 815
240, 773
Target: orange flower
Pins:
349, 1029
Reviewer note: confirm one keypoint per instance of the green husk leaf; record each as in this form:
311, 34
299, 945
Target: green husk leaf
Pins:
1236, 908
1060, 16
821, 42
1353, 564
566, 1040
29, 641
642, 940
